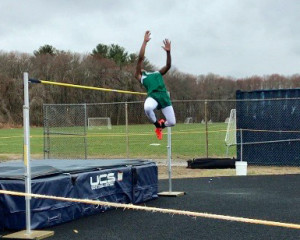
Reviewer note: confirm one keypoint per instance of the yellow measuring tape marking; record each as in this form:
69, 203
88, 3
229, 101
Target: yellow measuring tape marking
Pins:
25, 155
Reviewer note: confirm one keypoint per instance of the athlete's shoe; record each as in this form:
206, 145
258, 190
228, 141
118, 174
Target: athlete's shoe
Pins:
162, 123
159, 134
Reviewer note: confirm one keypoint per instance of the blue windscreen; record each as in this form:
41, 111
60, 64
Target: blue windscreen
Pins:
270, 127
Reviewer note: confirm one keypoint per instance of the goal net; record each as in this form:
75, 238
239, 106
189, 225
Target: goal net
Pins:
230, 138
188, 120
99, 123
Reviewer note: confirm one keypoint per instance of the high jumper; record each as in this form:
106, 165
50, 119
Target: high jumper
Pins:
157, 94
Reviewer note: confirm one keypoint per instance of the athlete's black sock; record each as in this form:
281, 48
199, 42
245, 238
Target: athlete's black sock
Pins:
157, 125
163, 125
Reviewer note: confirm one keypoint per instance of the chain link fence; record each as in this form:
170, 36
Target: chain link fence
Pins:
65, 131
121, 130
261, 130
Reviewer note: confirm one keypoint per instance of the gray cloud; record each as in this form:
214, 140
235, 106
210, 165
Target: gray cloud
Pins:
236, 38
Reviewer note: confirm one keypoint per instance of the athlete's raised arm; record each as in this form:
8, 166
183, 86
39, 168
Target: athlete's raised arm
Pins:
138, 71
167, 48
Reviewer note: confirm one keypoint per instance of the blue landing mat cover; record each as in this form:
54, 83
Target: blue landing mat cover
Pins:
40, 168
118, 180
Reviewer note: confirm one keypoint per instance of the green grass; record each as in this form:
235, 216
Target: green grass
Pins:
188, 141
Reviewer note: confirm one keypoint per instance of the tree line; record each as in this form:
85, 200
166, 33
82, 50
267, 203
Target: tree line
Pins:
107, 66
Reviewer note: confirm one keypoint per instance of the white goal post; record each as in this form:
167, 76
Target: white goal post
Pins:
99, 123
230, 138
188, 120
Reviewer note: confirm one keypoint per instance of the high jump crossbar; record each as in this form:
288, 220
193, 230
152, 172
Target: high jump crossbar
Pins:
84, 87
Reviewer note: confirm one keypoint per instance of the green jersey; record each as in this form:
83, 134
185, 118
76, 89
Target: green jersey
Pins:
153, 82
156, 88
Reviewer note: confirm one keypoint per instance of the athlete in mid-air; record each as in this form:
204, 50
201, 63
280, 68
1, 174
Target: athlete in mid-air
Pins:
157, 94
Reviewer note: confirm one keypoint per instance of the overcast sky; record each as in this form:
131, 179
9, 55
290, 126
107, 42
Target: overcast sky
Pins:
237, 38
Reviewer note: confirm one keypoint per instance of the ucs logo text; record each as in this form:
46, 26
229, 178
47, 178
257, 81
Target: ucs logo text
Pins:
102, 180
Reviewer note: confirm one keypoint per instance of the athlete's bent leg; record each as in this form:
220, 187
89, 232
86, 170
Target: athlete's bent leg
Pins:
169, 114
149, 106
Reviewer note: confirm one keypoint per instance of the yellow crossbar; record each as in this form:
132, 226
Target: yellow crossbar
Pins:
85, 87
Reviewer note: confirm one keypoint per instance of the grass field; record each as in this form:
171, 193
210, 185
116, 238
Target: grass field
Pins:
188, 141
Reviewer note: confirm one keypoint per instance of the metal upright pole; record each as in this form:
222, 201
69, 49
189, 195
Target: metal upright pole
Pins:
28, 233
170, 159
169, 150
170, 193
26, 153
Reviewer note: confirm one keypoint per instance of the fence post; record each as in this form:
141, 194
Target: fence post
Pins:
46, 132
241, 135
206, 128
126, 126
85, 131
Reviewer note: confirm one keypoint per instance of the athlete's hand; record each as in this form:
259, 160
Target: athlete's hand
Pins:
147, 36
167, 45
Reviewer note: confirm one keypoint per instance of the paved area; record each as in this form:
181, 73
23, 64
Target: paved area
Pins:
273, 198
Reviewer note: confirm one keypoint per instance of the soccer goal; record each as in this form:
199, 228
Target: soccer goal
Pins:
188, 120
230, 138
99, 123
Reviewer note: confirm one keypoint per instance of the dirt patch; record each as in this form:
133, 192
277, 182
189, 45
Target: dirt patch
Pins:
8, 157
180, 170
184, 172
